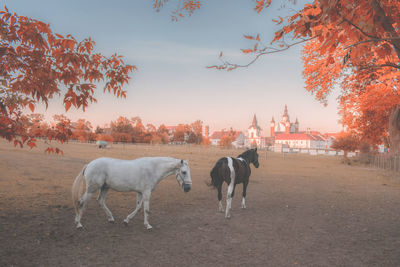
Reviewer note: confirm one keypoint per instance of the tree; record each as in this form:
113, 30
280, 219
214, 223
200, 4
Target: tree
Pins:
226, 141
205, 141
347, 142
394, 130
139, 130
104, 137
36, 64
354, 44
196, 134
122, 130
82, 130
179, 134
227, 138
162, 132
36, 127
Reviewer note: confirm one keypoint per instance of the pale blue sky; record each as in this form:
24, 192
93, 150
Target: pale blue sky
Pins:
172, 84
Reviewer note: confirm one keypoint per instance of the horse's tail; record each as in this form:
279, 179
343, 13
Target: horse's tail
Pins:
77, 188
214, 174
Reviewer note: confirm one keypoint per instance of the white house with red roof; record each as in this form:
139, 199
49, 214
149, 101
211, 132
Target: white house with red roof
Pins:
301, 140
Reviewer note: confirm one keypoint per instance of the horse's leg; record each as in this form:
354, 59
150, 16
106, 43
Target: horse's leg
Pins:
233, 194
220, 207
244, 195
139, 201
229, 199
101, 199
146, 206
233, 191
81, 205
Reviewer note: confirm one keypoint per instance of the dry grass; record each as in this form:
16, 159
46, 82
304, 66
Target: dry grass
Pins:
302, 210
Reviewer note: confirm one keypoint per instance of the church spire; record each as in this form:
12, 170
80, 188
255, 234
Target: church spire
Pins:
254, 123
285, 112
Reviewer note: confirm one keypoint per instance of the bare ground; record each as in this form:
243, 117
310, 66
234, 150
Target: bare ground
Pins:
301, 210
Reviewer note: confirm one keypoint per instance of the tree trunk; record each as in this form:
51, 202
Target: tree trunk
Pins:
387, 25
394, 131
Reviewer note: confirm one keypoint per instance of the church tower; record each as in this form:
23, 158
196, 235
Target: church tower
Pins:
254, 123
285, 120
272, 129
254, 133
296, 126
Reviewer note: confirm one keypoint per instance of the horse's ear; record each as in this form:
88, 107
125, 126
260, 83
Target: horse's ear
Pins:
181, 161
255, 149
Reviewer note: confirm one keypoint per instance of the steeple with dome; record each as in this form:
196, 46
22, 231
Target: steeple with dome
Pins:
284, 126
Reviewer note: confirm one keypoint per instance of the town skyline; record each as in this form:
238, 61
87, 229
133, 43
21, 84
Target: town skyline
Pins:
172, 84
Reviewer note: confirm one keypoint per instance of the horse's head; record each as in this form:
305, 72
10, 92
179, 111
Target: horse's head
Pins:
254, 158
183, 176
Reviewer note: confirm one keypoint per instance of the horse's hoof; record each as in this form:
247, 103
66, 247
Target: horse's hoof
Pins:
227, 216
126, 222
111, 220
149, 227
221, 211
79, 226
243, 207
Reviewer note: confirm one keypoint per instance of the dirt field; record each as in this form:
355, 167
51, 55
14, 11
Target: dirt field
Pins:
301, 210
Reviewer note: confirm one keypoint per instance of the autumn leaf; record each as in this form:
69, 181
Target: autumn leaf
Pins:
248, 37
32, 107
278, 21
246, 51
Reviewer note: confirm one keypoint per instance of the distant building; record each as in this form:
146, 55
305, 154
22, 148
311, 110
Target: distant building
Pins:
284, 126
301, 140
253, 137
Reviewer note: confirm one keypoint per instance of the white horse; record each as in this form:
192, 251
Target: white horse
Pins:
141, 175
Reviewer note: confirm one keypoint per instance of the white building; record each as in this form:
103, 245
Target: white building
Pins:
253, 137
301, 140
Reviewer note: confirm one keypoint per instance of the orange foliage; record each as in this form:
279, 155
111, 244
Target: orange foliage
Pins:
82, 131
35, 63
226, 141
354, 44
346, 142
105, 137
205, 141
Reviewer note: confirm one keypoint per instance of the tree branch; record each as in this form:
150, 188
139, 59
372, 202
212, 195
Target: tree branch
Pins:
388, 64
372, 40
231, 66
358, 28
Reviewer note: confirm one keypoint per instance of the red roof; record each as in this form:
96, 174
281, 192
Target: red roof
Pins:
299, 136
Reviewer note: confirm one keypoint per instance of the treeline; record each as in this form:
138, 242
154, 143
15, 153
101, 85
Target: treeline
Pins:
123, 129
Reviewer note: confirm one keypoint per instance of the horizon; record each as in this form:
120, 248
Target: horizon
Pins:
172, 84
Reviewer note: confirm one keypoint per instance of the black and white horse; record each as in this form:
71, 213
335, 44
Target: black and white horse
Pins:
233, 171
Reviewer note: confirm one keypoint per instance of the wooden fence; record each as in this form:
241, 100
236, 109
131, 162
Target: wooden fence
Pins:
385, 162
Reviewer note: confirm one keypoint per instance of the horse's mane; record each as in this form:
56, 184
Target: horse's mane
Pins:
245, 154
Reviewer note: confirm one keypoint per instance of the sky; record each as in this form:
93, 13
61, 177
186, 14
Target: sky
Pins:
172, 84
